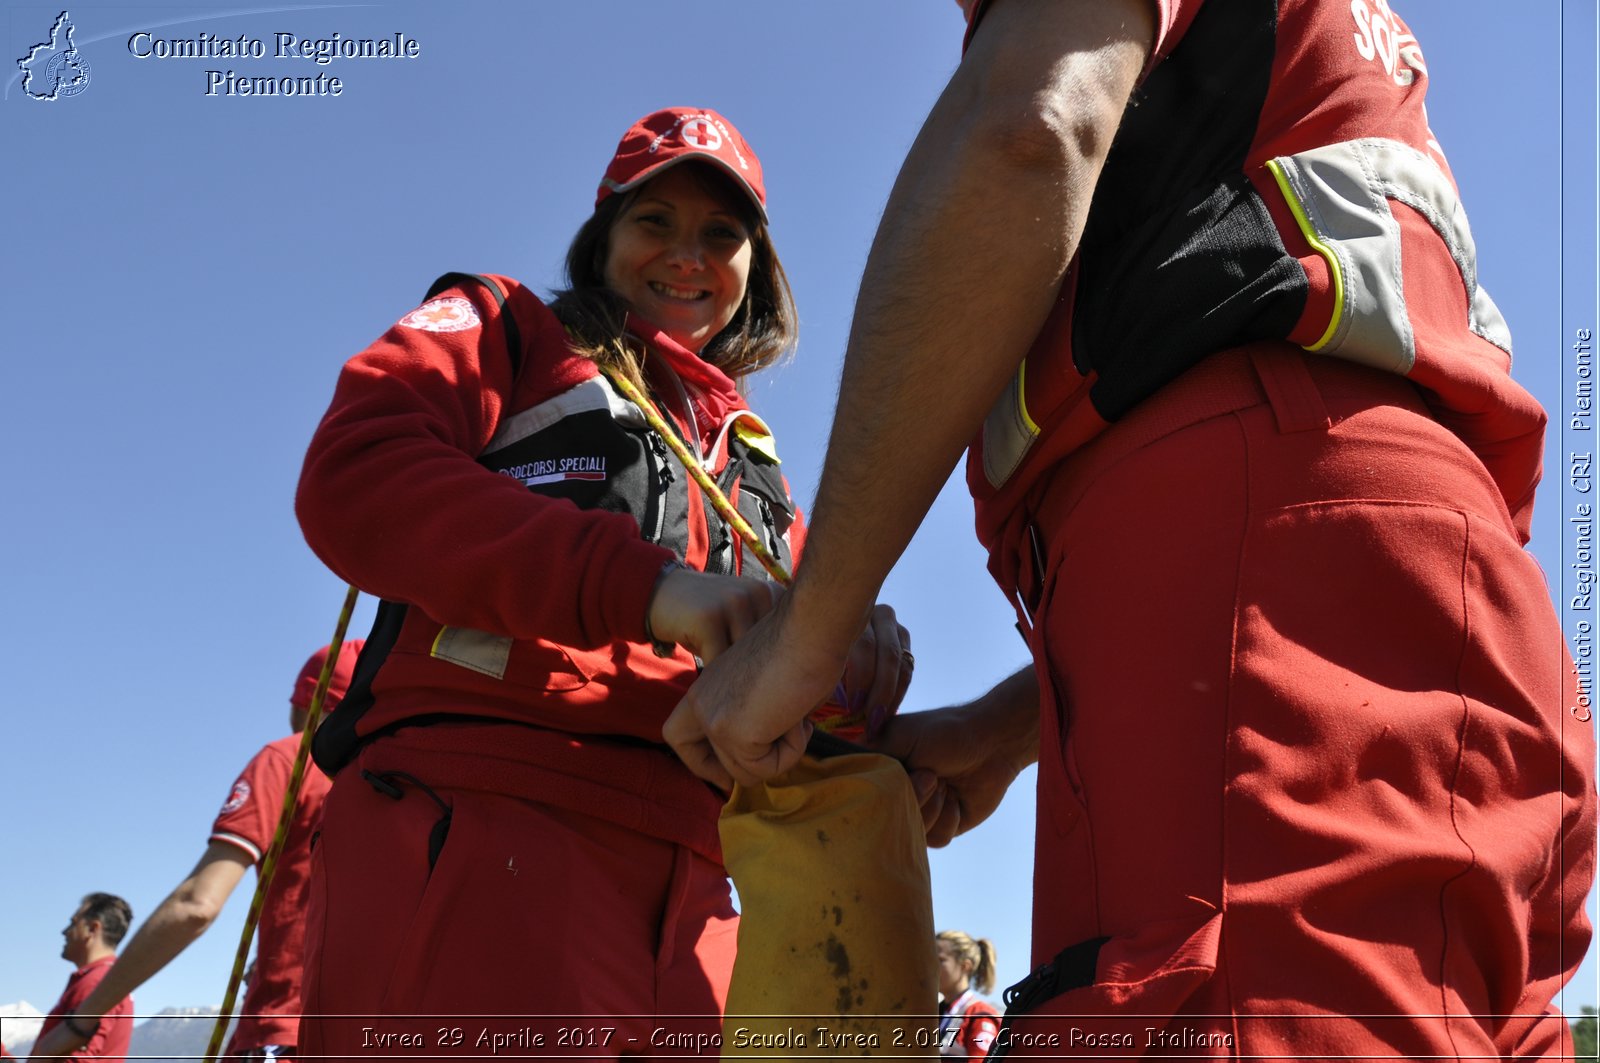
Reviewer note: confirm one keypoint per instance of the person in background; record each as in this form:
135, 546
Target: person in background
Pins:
269, 1017
90, 941
967, 1023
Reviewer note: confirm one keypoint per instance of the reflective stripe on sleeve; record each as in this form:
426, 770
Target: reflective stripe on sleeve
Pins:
1008, 431
234, 839
1339, 195
593, 394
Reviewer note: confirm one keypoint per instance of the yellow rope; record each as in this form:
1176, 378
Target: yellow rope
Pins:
269, 863
825, 720
719, 501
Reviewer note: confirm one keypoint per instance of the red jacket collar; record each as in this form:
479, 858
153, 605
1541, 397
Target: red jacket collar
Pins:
712, 391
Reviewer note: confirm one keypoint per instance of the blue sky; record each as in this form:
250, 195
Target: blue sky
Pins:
186, 273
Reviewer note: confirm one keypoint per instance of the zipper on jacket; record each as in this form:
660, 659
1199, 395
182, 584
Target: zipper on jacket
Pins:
729, 475
774, 542
656, 510
723, 555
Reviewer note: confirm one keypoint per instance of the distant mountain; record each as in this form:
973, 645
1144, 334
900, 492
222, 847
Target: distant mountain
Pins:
175, 1034
169, 1036
19, 1026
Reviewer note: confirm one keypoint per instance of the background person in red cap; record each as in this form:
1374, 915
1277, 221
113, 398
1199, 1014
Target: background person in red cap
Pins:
507, 834
270, 1015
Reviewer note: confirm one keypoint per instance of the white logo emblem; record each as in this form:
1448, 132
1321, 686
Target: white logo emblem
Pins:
56, 64
700, 133
449, 314
236, 799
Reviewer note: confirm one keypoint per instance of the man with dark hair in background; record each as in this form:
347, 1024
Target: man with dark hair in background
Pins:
269, 1019
91, 939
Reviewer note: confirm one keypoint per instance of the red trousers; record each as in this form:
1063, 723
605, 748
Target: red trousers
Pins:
1308, 764
537, 931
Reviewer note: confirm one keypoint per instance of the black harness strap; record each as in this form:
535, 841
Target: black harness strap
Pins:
337, 740
384, 783
1073, 968
513, 334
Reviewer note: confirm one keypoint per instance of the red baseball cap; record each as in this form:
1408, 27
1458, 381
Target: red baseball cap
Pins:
678, 134
305, 684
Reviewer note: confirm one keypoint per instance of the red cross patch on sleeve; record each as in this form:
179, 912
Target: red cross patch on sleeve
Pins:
450, 313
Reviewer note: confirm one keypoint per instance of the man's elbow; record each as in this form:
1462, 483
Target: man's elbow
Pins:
197, 902
1046, 82
193, 914
1045, 133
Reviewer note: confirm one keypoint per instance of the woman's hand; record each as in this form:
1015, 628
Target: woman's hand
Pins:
744, 720
706, 613
878, 671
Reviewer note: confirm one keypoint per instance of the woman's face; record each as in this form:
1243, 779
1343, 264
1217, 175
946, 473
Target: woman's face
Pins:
952, 971
680, 256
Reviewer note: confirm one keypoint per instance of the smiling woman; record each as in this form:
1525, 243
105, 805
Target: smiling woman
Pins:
551, 579
680, 255
684, 213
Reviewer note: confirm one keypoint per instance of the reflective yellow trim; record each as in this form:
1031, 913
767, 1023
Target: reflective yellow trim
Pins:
758, 438
1022, 398
1008, 432
1321, 248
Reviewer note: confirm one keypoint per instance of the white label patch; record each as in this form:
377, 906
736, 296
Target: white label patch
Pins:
236, 799
448, 314
557, 470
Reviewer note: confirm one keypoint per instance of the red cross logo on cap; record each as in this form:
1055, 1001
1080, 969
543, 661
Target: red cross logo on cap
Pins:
700, 133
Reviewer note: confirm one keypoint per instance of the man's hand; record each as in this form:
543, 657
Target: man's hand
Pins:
963, 759
704, 613
744, 720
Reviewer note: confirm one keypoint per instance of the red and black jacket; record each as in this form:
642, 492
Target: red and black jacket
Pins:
513, 511
1273, 180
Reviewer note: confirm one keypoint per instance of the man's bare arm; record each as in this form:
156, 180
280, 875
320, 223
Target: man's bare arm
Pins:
973, 245
968, 260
